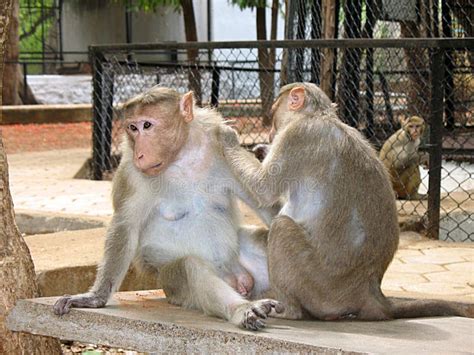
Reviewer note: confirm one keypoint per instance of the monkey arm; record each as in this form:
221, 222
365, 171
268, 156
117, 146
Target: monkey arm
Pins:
262, 180
120, 248
266, 214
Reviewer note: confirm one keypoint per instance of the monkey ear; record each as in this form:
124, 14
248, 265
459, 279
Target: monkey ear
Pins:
186, 106
296, 98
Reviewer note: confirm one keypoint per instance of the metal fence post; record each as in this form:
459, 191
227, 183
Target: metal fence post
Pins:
102, 116
436, 142
216, 73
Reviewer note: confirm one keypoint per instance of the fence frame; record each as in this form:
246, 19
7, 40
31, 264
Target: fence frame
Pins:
438, 47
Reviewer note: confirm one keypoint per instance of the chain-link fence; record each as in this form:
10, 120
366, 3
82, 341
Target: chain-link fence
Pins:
408, 78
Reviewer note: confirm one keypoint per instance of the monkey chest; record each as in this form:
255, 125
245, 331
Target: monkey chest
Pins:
194, 225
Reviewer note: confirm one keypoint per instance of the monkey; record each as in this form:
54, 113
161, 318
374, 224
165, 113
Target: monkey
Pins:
175, 212
337, 230
400, 156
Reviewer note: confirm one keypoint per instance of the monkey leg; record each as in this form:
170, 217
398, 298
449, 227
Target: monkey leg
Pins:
288, 252
307, 289
253, 257
193, 283
407, 182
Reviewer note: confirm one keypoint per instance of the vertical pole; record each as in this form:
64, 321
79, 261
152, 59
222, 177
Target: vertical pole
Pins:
25, 80
300, 34
436, 140
371, 19
102, 116
316, 30
449, 64
386, 98
216, 73
350, 76
334, 66
43, 39
60, 25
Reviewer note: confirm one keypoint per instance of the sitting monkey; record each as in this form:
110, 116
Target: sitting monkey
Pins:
400, 156
175, 212
337, 231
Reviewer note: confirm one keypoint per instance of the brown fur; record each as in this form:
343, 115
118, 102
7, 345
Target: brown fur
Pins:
337, 231
400, 156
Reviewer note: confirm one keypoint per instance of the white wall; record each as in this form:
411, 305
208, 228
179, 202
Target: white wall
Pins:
229, 23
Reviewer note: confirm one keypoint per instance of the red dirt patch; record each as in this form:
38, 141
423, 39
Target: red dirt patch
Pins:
20, 138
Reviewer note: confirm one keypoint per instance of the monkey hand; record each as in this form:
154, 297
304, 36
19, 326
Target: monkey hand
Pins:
86, 300
252, 315
228, 137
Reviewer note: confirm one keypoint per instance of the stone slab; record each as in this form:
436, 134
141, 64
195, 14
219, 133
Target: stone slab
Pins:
144, 321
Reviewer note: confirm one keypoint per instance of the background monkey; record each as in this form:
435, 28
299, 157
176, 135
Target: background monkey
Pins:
337, 231
175, 212
400, 156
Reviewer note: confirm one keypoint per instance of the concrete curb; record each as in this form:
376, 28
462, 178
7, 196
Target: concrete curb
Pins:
31, 222
45, 114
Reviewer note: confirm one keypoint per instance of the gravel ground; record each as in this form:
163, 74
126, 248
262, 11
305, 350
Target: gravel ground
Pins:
21, 138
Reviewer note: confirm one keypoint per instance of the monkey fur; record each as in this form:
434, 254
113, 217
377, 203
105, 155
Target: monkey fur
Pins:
337, 231
400, 156
175, 212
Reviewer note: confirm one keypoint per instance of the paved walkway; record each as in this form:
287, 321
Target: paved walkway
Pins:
43, 182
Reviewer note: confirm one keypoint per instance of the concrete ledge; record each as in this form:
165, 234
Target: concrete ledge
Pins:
45, 113
144, 321
30, 222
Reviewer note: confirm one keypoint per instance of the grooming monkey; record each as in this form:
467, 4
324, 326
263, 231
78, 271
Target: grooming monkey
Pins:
400, 156
337, 231
175, 212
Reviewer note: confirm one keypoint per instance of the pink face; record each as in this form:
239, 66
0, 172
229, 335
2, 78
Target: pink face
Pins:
157, 136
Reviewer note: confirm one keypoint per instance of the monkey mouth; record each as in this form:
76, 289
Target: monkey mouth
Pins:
150, 170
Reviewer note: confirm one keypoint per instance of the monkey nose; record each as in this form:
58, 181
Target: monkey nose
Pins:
140, 156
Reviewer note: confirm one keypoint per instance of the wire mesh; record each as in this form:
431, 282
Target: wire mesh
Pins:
405, 80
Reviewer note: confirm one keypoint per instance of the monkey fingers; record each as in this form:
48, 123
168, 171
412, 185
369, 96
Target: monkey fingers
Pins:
252, 315
64, 304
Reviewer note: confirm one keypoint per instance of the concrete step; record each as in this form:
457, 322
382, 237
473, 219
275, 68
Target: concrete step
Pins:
66, 263
144, 321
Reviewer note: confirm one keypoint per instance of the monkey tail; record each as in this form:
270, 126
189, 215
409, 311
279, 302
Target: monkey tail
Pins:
407, 308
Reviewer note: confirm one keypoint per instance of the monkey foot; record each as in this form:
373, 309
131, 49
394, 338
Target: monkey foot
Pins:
64, 304
252, 315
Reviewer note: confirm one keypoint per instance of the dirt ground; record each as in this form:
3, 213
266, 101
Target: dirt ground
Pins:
21, 138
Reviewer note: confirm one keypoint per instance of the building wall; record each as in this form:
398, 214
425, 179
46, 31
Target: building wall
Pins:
87, 22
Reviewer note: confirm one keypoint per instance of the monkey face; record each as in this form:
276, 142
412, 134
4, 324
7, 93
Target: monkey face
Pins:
415, 127
156, 138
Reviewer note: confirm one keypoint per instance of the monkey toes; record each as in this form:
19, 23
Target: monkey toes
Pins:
64, 304
252, 315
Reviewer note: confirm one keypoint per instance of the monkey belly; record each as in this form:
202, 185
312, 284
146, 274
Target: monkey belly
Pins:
174, 235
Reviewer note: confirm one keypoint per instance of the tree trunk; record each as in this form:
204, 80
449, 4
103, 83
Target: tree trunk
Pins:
328, 54
265, 72
14, 92
194, 75
17, 274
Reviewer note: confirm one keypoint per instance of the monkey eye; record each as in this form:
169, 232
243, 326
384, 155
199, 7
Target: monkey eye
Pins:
147, 125
132, 127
